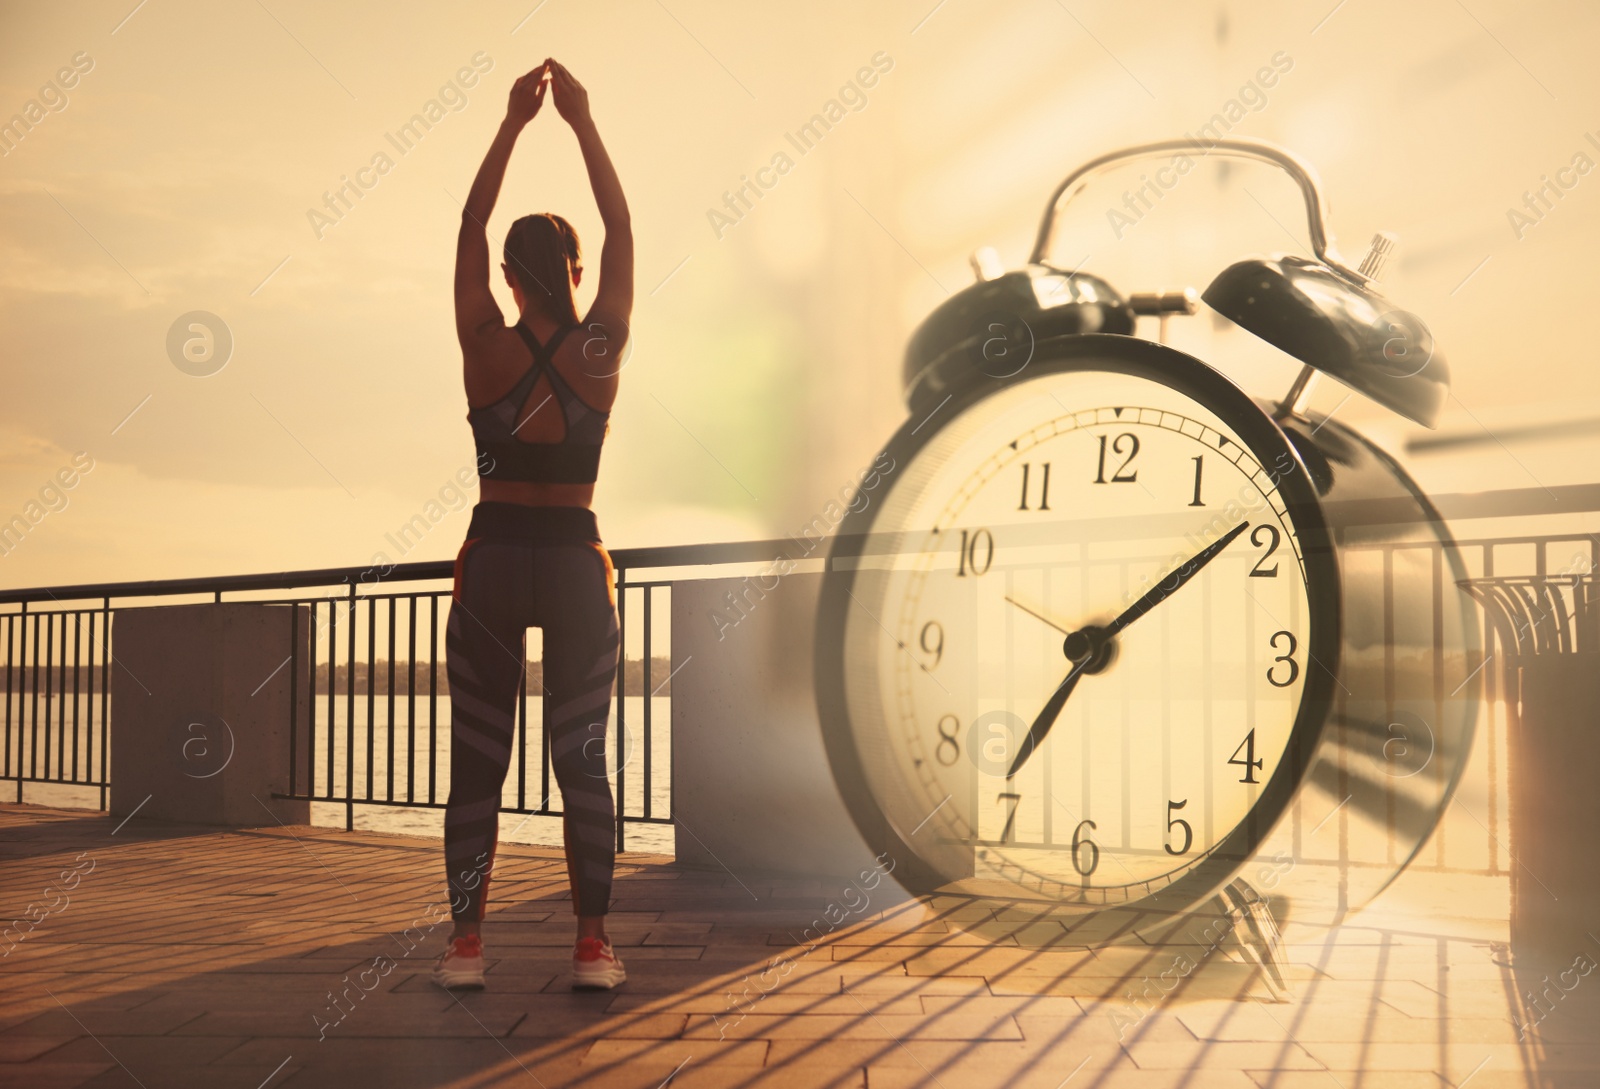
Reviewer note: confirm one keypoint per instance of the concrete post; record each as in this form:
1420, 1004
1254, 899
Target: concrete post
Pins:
752, 789
200, 713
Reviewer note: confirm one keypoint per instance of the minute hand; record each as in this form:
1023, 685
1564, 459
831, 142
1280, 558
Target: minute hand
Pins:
1096, 639
1185, 571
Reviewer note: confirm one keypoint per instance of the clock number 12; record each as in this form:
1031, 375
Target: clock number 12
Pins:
1125, 441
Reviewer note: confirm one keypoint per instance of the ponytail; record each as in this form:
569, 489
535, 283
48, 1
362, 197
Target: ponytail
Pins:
542, 252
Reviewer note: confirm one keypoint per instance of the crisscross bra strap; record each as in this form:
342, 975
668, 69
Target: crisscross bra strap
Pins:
575, 459
543, 362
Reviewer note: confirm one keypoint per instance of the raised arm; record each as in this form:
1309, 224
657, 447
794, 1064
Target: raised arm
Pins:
614, 297
477, 313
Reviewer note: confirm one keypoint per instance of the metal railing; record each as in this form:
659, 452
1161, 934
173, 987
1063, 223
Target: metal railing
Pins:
360, 706
371, 732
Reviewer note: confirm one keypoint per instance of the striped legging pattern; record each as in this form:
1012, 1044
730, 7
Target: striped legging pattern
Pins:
505, 585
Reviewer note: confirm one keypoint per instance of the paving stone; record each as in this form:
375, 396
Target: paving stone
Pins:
1323, 1079
48, 1075
864, 1024
898, 994
1050, 1075
1156, 1055
17, 1048
673, 1052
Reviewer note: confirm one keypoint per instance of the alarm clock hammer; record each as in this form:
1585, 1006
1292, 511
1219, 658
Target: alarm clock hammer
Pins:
1089, 648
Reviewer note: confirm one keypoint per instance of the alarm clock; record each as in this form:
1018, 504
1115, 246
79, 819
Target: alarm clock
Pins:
1115, 634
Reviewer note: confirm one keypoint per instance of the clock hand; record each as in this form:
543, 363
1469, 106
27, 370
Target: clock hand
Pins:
1092, 645
1186, 571
1037, 616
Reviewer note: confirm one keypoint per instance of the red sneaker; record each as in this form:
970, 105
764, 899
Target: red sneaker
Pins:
460, 968
595, 967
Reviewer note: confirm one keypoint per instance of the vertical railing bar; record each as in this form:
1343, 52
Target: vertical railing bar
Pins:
50, 680
544, 730
522, 731
433, 691
77, 668
622, 661
1389, 684
372, 691
411, 701
389, 726
1492, 641
294, 694
61, 712
32, 679
88, 705
311, 703
672, 790
105, 696
1438, 663
333, 707
350, 717
649, 780
11, 647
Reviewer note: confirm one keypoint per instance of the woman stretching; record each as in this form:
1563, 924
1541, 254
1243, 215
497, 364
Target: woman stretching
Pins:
538, 400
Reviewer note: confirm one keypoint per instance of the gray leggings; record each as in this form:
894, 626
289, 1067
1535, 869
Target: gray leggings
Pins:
530, 567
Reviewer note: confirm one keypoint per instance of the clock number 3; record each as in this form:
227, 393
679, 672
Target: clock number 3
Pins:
1124, 442
1286, 659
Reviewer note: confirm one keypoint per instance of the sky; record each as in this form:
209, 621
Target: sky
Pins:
177, 152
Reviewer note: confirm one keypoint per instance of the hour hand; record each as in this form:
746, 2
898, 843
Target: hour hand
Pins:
1038, 615
1046, 719
1088, 649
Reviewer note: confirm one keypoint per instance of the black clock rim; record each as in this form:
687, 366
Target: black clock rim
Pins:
1267, 443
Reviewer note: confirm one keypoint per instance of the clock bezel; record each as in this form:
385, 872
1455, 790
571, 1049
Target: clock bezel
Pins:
1268, 444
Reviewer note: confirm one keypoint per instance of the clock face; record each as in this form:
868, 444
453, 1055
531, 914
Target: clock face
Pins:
1083, 642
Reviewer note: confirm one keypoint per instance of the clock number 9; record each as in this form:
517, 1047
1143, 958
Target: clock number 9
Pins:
1121, 475
1082, 843
969, 552
935, 629
947, 741
1287, 659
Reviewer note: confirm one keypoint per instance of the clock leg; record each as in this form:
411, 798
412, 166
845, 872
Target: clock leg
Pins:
1259, 937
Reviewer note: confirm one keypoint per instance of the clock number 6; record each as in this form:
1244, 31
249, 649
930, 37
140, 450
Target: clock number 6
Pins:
1287, 659
1082, 843
1121, 475
969, 553
1188, 832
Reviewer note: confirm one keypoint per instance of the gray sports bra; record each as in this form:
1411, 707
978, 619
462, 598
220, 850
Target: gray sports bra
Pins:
573, 460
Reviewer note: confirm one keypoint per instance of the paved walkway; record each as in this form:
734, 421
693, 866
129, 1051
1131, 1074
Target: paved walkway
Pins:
297, 957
